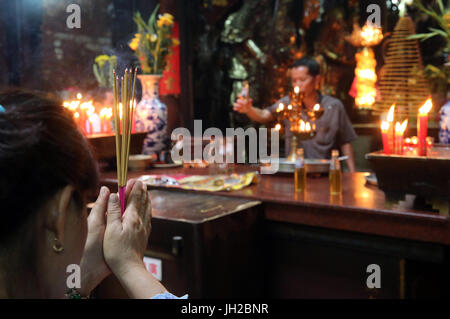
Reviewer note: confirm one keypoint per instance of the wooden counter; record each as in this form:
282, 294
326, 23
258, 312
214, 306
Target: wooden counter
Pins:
361, 208
313, 245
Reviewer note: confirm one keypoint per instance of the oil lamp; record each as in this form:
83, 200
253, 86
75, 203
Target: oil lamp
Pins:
302, 121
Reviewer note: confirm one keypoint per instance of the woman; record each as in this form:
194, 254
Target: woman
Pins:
47, 172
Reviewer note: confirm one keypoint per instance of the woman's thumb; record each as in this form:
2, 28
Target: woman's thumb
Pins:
114, 213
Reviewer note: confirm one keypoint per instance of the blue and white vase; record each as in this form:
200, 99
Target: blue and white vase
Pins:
444, 132
151, 115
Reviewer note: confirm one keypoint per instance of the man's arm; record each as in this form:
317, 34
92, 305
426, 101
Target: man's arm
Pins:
254, 113
260, 116
347, 150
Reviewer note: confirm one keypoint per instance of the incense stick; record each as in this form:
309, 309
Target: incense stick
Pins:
123, 101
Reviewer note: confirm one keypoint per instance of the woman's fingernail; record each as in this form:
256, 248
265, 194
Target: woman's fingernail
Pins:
113, 198
103, 190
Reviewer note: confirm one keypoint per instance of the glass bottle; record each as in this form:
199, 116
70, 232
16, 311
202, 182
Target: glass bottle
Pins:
300, 171
335, 173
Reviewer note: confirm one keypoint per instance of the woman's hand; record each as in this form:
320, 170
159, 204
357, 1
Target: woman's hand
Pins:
126, 236
126, 239
93, 265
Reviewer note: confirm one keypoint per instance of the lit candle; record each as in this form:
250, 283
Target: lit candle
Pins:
296, 90
385, 137
391, 133
399, 132
308, 127
422, 127
302, 126
76, 117
104, 120
280, 107
277, 127
94, 123
109, 116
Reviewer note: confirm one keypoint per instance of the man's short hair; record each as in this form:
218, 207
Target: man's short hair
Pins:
311, 63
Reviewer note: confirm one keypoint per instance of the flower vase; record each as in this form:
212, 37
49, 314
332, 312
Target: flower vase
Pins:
151, 115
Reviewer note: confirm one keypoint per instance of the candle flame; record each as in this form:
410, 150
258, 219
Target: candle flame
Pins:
289, 107
106, 112
316, 107
79, 96
426, 107
277, 127
404, 125
414, 140
280, 107
384, 126
76, 115
296, 90
390, 116
308, 127
371, 35
302, 126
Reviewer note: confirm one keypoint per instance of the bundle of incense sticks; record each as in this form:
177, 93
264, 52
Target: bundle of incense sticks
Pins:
123, 118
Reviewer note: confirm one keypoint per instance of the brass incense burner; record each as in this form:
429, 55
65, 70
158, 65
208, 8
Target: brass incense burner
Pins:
302, 121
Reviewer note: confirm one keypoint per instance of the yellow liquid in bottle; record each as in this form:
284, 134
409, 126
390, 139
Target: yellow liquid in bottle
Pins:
300, 179
335, 182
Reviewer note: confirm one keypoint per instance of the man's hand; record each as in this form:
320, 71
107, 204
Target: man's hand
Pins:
243, 105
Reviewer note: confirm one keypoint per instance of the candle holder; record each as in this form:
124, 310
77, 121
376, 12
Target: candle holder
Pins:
302, 121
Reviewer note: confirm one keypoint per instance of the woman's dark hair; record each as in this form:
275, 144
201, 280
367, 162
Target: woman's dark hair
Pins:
41, 151
311, 63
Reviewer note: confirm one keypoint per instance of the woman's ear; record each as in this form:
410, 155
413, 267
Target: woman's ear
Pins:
58, 210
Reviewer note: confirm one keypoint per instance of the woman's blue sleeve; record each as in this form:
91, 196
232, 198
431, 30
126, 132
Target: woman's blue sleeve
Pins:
168, 295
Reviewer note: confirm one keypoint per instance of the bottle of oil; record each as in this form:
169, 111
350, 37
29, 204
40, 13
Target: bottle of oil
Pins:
300, 171
335, 173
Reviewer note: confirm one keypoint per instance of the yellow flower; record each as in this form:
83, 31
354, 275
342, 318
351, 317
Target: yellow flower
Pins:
152, 37
447, 18
165, 20
135, 42
101, 60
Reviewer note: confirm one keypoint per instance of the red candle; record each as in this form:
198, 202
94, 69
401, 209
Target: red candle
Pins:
422, 127
399, 131
385, 137
391, 132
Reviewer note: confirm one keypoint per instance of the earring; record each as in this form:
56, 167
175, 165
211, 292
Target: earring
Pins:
57, 246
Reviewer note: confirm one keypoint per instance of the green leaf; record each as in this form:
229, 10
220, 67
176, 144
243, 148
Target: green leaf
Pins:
142, 27
152, 20
441, 6
439, 31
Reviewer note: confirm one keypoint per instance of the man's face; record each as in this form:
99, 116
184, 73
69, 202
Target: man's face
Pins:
305, 81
